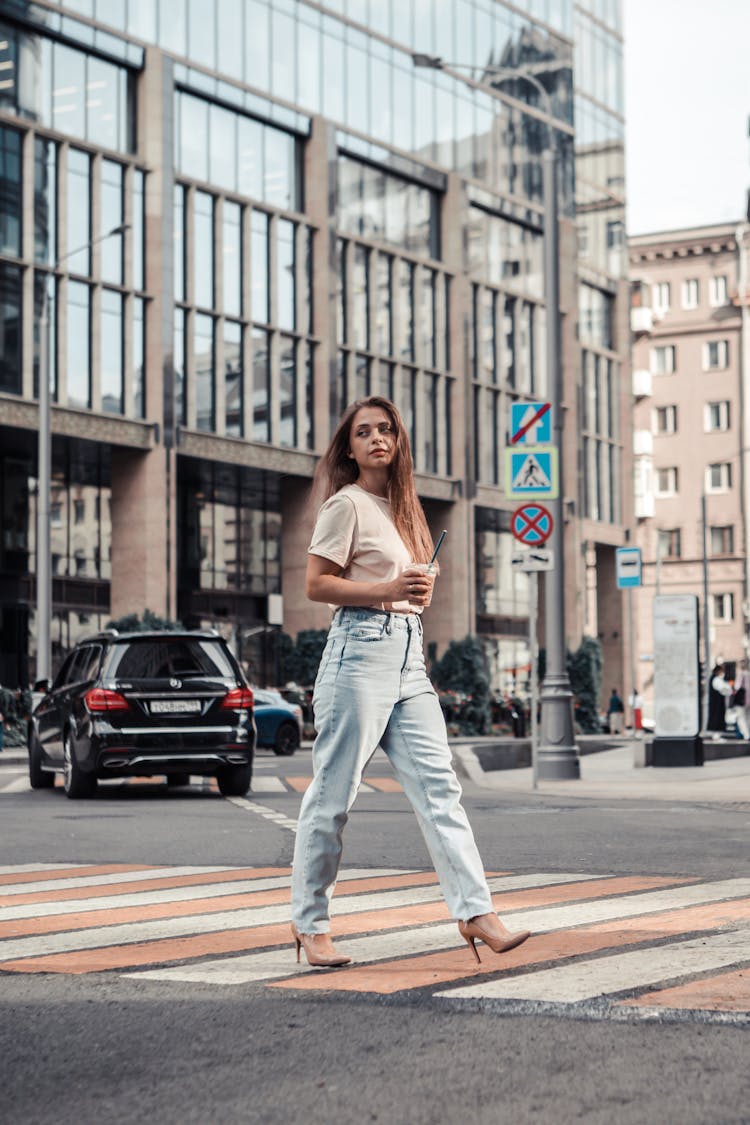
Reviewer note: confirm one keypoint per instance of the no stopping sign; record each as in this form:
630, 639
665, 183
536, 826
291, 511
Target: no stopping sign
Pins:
532, 524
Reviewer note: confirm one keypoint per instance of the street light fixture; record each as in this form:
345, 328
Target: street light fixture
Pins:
557, 752
44, 472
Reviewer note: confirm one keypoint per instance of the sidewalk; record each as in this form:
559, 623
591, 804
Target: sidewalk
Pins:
611, 774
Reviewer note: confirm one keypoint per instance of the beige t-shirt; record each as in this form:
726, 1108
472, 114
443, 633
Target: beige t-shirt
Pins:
355, 530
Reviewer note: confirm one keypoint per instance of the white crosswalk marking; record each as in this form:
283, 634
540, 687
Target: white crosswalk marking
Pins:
268, 785
598, 976
13, 948
17, 785
103, 880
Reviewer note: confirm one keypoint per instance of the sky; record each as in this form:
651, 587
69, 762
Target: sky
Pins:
687, 103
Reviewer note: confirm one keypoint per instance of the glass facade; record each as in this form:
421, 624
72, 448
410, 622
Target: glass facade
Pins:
395, 247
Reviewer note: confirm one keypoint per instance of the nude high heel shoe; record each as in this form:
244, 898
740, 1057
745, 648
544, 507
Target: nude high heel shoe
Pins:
319, 950
470, 931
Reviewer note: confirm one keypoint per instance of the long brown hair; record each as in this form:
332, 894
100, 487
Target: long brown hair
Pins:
336, 469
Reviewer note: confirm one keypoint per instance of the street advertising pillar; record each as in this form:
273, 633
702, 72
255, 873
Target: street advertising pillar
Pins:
677, 740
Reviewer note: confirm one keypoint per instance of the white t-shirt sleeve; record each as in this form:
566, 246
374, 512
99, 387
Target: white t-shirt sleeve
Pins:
335, 530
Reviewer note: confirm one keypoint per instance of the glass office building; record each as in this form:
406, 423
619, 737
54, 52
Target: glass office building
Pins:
302, 216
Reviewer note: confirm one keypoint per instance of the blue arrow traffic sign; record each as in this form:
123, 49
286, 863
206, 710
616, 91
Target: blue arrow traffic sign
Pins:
530, 423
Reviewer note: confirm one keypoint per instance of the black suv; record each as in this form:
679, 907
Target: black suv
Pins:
144, 704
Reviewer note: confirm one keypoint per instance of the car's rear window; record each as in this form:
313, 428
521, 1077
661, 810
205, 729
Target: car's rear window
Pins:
164, 658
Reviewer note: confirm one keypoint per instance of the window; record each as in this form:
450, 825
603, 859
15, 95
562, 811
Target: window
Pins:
45, 201
716, 416
666, 482
285, 274
10, 329
661, 294
721, 540
203, 247
79, 212
669, 544
79, 511
111, 354
78, 350
663, 359
233, 390
719, 477
380, 205
722, 607
665, 419
111, 211
232, 250
717, 291
715, 355
690, 293
205, 390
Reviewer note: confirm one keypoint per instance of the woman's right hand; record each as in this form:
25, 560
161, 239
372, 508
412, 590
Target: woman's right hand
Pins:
412, 585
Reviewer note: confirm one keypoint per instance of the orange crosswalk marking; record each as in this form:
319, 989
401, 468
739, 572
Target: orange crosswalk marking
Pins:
70, 873
726, 992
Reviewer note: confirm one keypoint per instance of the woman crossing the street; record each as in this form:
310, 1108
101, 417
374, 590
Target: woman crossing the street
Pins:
367, 561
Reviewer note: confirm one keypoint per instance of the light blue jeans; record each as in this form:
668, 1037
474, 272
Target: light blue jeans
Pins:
372, 689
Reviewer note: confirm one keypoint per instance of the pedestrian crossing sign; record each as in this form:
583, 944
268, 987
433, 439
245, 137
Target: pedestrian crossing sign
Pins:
531, 473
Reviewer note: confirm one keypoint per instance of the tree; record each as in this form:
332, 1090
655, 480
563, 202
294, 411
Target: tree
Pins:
301, 663
132, 623
585, 673
462, 669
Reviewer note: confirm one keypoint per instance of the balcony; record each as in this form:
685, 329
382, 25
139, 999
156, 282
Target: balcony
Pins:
643, 443
643, 507
642, 383
641, 321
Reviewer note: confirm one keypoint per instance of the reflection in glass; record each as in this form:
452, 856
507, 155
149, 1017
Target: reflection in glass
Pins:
285, 263
284, 56
111, 216
431, 424
428, 318
333, 74
203, 358
45, 199
78, 349
139, 234
194, 147
259, 266
111, 355
232, 251
362, 384
250, 157
103, 110
79, 211
230, 37
408, 403
233, 390
261, 386
142, 19
509, 341
357, 67
308, 67
403, 100
383, 305
68, 97
178, 242
10, 192
139, 357
341, 303
223, 141
203, 246
40, 281
279, 171
306, 312
9, 65
405, 298
257, 44
288, 392
178, 359
10, 329
448, 429
202, 33
360, 298
308, 438
173, 27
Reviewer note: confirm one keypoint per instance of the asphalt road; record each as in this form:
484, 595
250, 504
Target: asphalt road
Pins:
121, 1046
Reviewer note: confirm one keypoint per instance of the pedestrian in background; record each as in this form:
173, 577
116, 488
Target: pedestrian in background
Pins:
372, 688
616, 713
741, 700
719, 690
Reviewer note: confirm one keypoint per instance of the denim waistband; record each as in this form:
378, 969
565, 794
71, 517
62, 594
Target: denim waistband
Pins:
390, 618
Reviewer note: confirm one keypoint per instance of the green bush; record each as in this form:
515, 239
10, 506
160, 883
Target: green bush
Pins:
301, 660
462, 670
585, 674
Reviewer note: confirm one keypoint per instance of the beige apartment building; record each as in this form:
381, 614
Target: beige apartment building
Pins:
690, 430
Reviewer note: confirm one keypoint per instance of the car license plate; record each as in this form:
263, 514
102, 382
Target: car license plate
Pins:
175, 706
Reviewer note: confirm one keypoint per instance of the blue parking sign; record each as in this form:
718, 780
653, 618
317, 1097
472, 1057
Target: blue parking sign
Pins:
628, 568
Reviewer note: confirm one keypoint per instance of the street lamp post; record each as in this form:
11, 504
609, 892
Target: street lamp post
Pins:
44, 473
557, 751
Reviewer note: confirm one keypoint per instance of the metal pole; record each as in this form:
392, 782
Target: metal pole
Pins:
534, 592
631, 631
706, 619
558, 752
44, 470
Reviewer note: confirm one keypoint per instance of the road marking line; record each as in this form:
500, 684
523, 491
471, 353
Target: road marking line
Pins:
727, 992
141, 908
15, 950
595, 977
263, 810
268, 785
108, 871
143, 878
17, 869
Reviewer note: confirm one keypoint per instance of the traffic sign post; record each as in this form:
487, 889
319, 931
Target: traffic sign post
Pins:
531, 473
531, 524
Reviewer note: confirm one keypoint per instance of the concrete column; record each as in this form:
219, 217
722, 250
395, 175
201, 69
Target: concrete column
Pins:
299, 510
139, 547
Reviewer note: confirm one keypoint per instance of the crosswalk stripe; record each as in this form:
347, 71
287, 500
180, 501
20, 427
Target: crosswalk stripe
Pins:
726, 992
11, 883
16, 953
299, 784
143, 877
557, 945
268, 785
17, 785
386, 785
34, 869
585, 980
178, 903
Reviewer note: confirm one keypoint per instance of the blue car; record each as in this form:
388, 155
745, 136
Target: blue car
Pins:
278, 723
